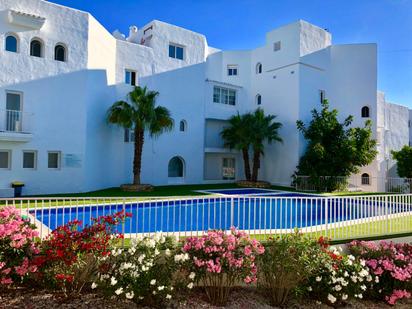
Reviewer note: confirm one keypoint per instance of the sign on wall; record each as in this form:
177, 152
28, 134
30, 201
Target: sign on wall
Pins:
72, 160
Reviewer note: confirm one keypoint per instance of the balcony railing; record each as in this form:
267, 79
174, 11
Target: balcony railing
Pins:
15, 121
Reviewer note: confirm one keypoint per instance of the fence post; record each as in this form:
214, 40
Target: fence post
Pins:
124, 223
326, 215
387, 214
232, 211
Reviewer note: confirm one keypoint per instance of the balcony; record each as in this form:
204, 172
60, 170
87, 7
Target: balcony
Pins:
15, 126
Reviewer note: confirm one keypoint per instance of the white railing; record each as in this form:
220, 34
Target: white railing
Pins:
343, 217
353, 183
15, 121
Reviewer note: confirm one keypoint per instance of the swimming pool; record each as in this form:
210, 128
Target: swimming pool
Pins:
241, 191
246, 213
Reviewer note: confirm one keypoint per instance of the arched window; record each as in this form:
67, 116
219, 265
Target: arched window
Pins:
365, 112
60, 53
366, 179
258, 99
12, 43
36, 48
259, 68
183, 126
175, 168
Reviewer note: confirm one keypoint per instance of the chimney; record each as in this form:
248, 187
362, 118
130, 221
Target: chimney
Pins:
133, 35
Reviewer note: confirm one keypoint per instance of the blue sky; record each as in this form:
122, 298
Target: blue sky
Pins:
242, 24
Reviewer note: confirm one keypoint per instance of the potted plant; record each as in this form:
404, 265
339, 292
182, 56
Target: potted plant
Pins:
17, 185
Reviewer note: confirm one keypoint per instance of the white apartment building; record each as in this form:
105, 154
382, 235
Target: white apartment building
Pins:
60, 70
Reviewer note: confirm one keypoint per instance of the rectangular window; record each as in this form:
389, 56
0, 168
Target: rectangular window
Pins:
232, 70
229, 168
276, 46
322, 96
5, 159
29, 159
130, 77
176, 51
224, 95
128, 135
54, 159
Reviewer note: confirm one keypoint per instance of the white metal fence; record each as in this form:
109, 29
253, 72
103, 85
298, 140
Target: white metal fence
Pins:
261, 216
15, 121
353, 183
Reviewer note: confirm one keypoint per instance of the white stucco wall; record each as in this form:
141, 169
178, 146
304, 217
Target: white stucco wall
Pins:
67, 101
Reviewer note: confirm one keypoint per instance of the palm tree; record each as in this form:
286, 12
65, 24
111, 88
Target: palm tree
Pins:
264, 128
237, 136
140, 114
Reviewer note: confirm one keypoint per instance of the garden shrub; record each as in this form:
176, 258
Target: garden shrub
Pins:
17, 247
70, 255
287, 263
339, 277
220, 260
391, 263
144, 272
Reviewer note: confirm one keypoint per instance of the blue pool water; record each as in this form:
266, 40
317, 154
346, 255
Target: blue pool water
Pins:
221, 213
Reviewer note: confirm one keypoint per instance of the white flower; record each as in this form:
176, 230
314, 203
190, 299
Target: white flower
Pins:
351, 257
369, 278
153, 282
130, 295
350, 263
154, 293
113, 281
318, 302
168, 296
363, 273
190, 285
157, 252
344, 296
167, 252
132, 250
318, 279
94, 285
192, 275
331, 298
344, 283
141, 258
363, 287
354, 279
362, 262
345, 274
119, 291
181, 257
310, 289
377, 279
360, 296
338, 288
151, 243
160, 288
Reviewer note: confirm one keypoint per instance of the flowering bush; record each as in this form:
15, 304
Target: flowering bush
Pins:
392, 263
220, 260
340, 277
69, 257
17, 247
144, 272
287, 263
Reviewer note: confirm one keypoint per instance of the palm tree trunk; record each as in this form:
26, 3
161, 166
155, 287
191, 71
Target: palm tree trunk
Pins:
256, 165
138, 149
245, 153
